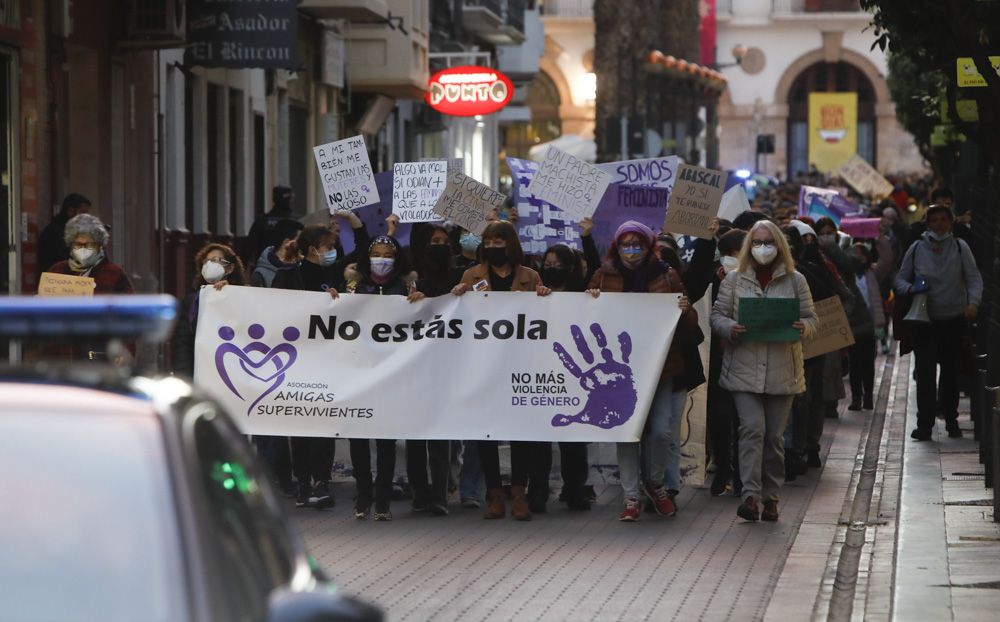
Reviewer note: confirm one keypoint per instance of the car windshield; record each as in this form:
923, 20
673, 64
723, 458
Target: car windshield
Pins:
87, 524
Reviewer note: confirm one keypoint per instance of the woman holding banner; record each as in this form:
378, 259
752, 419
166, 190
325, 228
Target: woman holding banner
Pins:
502, 270
633, 265
764, 376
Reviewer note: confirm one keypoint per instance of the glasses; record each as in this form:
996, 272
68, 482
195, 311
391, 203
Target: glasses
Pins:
89, 246
222, 262
762, 243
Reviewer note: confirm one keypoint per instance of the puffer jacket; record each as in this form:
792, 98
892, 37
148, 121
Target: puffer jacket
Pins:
757, 366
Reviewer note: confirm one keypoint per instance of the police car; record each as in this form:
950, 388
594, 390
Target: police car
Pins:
136, 498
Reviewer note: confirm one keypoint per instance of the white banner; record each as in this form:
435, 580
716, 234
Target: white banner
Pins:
416, 187
483, 366
655, 172
569, 183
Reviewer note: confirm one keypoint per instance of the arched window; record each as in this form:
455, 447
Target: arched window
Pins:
828, 77
545, 125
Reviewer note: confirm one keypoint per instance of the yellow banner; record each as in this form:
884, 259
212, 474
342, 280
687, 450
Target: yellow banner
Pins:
833, 129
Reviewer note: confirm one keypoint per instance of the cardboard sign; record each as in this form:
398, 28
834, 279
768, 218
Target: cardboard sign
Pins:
569, 183
467, 202
346, 173
864, 178
52, 284
834, 332
416, 187
864, 228
694, 201
769, 319
655, 172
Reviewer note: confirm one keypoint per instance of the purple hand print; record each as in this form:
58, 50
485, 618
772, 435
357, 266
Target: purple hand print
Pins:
609, 384
281, 356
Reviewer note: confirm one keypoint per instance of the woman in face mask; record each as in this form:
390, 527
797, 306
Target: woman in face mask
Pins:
217, 265
502, 270
469, 244
633, 265
722, 421
763, 376
382, 271
87, 239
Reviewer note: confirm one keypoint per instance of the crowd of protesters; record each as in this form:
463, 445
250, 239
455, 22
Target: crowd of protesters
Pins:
766, 404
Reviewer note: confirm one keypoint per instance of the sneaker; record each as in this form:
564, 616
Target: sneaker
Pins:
770, 513
382, 513
322, 496
749, 510
662, 500
953, 430
919, 434
720, 484
471, 504
631, 512
590, 494
362, 505
420, 504
304, 495
438, 509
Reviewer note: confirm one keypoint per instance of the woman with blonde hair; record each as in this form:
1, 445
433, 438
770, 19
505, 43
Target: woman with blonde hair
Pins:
763, 376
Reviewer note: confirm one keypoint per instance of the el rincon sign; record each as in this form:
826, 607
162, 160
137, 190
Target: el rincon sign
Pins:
469, 91
243, 34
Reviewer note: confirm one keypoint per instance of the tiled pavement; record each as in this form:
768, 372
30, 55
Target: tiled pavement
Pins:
703, 564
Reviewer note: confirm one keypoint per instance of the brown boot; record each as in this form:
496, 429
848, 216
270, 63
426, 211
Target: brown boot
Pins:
749, 510
519, 508
495, 505
770, 512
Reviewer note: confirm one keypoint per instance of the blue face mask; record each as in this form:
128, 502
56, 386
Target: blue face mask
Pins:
328, 258
470, 242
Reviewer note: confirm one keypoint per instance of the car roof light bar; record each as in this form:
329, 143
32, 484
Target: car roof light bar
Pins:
149, 318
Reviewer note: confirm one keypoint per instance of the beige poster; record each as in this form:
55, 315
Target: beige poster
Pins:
52, 284
834, 331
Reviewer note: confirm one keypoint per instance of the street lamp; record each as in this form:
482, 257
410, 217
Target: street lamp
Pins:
739, 52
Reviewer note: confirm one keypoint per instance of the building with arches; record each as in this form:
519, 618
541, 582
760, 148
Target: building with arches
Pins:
798, 47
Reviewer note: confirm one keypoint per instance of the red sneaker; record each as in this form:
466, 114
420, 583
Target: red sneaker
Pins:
663, 503
631, 512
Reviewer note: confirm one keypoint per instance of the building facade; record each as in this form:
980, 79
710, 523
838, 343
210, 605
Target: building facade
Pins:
798, 47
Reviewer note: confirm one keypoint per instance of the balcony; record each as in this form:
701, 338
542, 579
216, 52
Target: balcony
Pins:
500, 22
815, 6
358, 11
577, 9
384, 60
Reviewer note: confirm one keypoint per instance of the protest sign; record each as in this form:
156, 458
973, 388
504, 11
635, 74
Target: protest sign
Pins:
292, 363
807, 194
694, 201
655, 172
346, 173
416, 187
769, 319
833, 332
467, 203
818, 209
864, 178
843, 207
734, 202
569, 183
863, 228
52, 284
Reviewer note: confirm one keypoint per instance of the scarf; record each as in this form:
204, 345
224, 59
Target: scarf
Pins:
80, 268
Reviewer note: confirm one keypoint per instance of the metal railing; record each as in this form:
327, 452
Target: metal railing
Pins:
569, 8
496, 6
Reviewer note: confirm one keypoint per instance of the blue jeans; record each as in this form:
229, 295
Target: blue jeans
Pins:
661, 444
470, 477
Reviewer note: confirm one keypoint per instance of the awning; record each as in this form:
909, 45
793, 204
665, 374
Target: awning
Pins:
577, 146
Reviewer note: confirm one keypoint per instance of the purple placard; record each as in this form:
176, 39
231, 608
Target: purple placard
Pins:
864, 228
374, 215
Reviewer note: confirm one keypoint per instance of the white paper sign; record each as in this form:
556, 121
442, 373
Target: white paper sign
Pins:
416, 187
569, 183
346, 173
654, 172
497, 365
734, 203
467, 202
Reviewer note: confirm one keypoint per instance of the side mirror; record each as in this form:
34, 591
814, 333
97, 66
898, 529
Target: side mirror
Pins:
285, 605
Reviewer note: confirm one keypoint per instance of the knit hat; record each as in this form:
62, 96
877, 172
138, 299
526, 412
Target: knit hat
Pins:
803, 228
634, 226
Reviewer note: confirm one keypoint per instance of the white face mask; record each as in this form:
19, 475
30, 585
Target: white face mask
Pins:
828, 239
83, 255
764, 254
382, 266
729, 263
212, 272
940, 237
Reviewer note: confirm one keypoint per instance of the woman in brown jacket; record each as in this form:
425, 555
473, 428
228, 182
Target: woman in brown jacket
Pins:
633, 265
502, 271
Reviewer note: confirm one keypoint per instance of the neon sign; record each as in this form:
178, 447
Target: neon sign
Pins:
468, 91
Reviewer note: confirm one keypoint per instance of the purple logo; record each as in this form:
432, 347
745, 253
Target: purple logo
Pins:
610, 386
257, 359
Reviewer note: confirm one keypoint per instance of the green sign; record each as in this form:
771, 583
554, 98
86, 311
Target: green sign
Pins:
769, 319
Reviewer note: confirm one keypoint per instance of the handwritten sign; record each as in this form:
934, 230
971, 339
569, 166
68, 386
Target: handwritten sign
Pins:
863, 228
834, 332
467, 202
655, 172
864, 178
52, 284
694, 201
346, 173
416, 187
769, 319
569, 183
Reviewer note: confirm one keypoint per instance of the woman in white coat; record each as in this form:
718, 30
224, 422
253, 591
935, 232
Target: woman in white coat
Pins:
763, 376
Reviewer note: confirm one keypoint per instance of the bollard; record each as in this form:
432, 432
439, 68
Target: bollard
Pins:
990, 430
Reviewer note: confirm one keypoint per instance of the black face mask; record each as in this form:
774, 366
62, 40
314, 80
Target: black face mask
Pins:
495, 256
555, 277
439, 253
